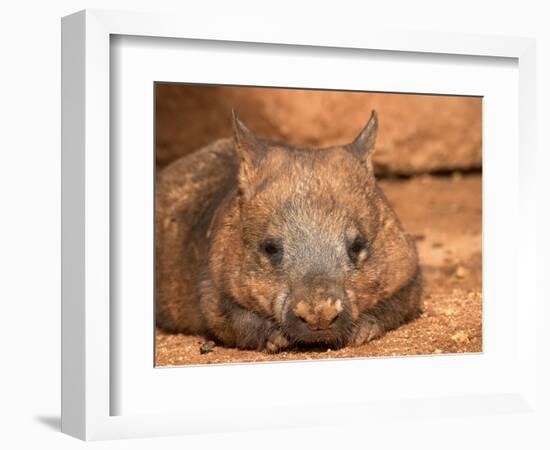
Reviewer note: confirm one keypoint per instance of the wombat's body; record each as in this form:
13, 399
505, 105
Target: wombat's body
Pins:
263, 246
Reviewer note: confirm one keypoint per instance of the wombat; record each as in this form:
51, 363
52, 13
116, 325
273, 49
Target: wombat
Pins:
265, 246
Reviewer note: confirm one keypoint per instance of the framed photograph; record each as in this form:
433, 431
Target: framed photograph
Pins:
268, 228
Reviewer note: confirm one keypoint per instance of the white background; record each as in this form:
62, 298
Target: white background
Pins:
142, 389
30, 188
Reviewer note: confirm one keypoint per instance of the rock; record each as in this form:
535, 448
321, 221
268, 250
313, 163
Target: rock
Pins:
418, 133
207, 347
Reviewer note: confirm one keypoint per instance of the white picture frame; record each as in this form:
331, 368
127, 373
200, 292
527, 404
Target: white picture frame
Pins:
100, 403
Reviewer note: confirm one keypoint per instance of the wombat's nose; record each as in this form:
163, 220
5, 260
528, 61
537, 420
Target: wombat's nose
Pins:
320, 315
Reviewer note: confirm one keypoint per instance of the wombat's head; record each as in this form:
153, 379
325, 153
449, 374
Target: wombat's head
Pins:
310, 224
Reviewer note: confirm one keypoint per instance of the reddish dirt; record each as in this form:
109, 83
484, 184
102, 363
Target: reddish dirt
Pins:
444, 215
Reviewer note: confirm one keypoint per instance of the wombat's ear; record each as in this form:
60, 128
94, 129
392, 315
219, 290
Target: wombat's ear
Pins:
250, 149
363, 144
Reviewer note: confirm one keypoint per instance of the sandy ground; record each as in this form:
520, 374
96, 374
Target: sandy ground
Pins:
444, 215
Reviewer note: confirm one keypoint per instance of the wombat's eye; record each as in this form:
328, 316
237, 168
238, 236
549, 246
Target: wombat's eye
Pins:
273, 249
357, 249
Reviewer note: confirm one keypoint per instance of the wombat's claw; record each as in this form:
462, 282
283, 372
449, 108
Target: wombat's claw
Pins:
368, 330
276, 342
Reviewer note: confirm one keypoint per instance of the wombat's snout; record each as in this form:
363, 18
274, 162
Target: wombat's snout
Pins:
317, 311
318, 316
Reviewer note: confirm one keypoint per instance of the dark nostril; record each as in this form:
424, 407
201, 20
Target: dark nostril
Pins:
333, 320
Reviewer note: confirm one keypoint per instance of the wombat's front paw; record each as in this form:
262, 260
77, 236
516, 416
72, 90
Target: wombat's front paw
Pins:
367, 330
276, 342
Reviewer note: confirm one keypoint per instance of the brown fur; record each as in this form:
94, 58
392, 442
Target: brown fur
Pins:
261, 245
